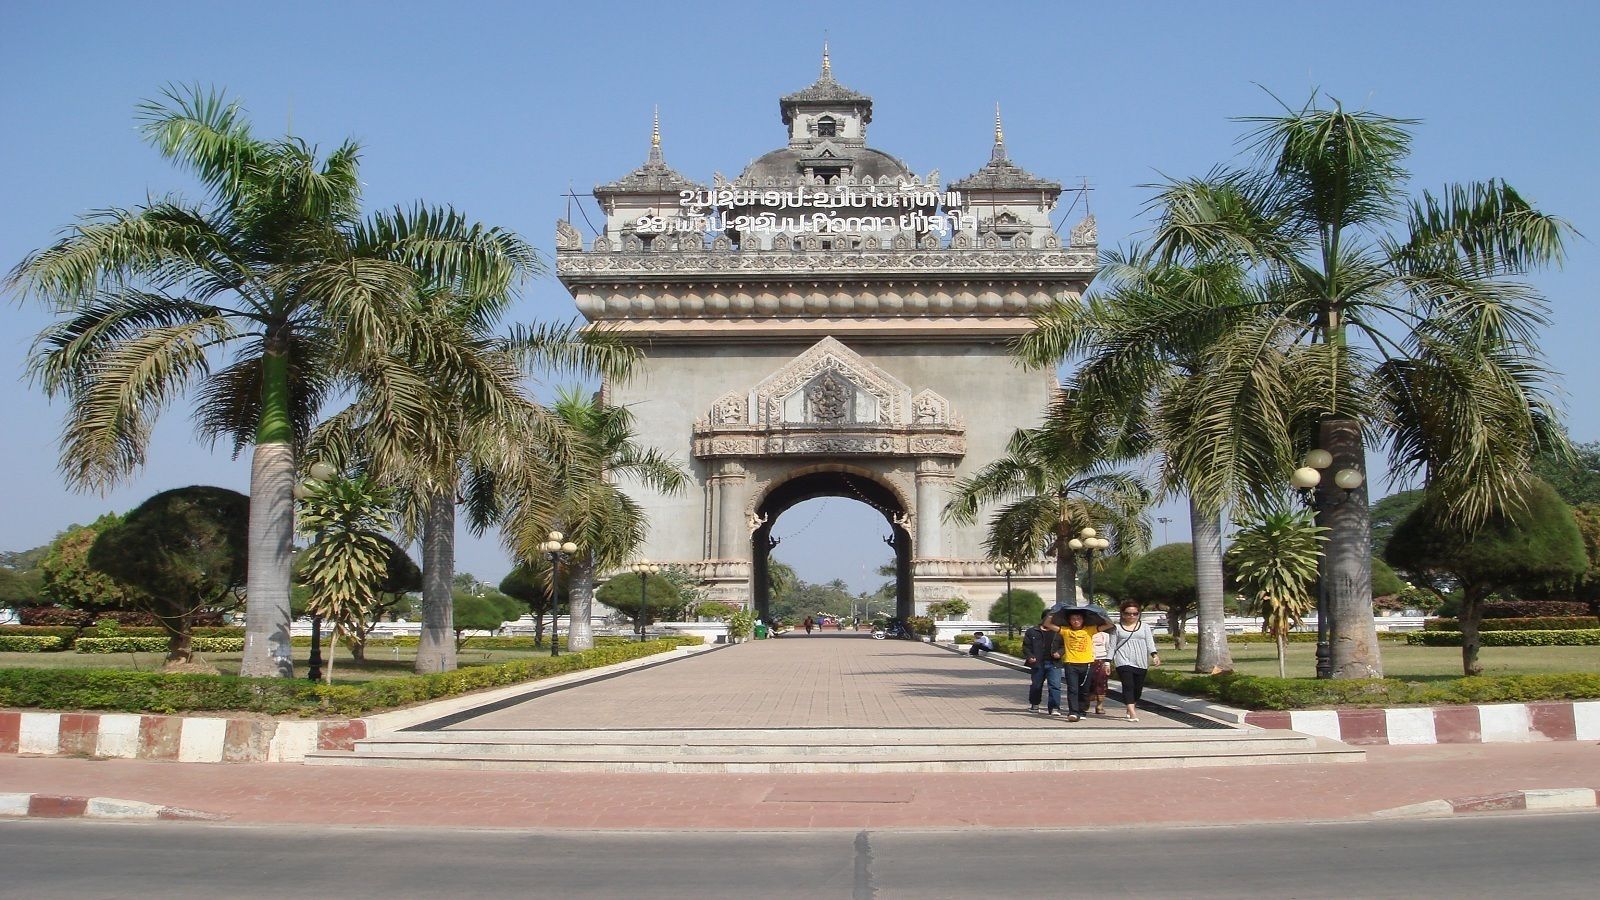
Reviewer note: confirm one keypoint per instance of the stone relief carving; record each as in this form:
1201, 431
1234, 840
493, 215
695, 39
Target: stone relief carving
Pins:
567, 237
731, 409
1085, 233
928, 408
828, 399
901, 257
754, 521
829, 354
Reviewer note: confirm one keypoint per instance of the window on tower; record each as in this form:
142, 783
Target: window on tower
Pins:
827, 127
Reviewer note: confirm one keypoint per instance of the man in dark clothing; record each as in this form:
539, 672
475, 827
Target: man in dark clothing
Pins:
1043, 651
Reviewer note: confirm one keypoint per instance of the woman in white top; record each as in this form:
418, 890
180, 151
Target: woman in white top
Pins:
1133, 652
1101, 671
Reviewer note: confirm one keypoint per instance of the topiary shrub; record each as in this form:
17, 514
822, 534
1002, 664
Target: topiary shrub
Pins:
154, 645
1527, 609
32, 644
1542, 623
922, 625
1572, 637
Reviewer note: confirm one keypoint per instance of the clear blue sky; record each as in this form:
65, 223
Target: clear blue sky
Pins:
497, 108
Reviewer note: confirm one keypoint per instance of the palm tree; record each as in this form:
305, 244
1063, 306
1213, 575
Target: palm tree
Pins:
1275, 552
348, 557
579, 494
1141, 349
265, 299
450, 409
1372, 313
1054, 484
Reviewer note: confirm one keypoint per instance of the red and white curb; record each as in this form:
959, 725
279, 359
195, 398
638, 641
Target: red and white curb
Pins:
57, 806
1481, 724
178, 738
1534, 801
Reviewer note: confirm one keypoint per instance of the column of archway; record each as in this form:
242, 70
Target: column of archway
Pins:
731, 484
933, 477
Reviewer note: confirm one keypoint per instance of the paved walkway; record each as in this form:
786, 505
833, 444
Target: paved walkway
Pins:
825, 680
288, 794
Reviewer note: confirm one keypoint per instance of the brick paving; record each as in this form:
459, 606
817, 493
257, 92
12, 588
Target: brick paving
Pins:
290, 794
825, 680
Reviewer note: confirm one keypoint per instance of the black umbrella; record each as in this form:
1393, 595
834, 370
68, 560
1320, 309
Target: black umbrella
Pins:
1092, 614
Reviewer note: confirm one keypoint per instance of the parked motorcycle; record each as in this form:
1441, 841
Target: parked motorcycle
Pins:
894, 628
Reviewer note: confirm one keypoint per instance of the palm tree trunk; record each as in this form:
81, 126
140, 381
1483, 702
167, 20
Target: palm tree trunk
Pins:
1345, 572
1470, 619
1066, 573
271, 529
580, 603
436, 652
1205, 528
1283, 640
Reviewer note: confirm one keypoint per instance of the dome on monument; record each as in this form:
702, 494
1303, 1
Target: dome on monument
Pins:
790, 162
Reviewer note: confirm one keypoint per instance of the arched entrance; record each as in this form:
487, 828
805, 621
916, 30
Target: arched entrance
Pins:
832, 482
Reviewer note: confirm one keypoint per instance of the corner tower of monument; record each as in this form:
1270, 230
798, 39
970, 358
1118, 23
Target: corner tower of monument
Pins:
828, 323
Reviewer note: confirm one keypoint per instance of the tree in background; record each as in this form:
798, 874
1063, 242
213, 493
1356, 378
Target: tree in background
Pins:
1111, 577
66, 577
1575, 477
1385, 583
348, 558
487, 611
807, 599
1373, 313
1389, 512
954, 608
21, 581
264, 300
661, 597
529, 582
1017, 610
781, 578
1274, 554
395, 596
1164, 578
184, 551
1587, 586
1535, 541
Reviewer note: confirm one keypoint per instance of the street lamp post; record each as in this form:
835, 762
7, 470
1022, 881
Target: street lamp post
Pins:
1088, 541
1006, 567
320, 473
644, 568
559, 551
1307, 478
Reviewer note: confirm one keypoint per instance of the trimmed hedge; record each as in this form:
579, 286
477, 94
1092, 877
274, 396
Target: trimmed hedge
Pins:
1527, 609
472, 643
61, 615
155, 645
1571, 637
1538, 623
1264, 693
44, 643
157, 692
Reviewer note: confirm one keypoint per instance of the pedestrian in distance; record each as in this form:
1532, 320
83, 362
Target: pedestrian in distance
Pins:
809, 624
1042, 650
1100, 671
1133, 652
981, 643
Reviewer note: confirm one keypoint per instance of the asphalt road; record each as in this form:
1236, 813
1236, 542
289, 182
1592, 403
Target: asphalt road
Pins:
1521, 856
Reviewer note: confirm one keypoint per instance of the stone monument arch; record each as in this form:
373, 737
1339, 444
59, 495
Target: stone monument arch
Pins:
833, 325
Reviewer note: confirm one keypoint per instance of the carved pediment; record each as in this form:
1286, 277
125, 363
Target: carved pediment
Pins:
830, 384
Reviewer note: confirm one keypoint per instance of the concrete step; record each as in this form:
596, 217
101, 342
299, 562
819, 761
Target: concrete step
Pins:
944, 759
1045, 731
1042, 744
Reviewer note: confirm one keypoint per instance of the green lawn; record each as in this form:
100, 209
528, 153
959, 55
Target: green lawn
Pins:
1403, 661
382, 662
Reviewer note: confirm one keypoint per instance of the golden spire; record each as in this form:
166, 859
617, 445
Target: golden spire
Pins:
655, 128
999, 134
827, 67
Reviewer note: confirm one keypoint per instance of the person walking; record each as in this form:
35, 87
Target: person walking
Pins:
1042, 651
1100, 671
809, 623
1133, 652
1079, 641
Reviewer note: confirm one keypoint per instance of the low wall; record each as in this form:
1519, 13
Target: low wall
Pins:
1482, 724
180, 738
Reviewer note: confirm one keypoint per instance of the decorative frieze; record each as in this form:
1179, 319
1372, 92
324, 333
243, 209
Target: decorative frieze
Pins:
712, 441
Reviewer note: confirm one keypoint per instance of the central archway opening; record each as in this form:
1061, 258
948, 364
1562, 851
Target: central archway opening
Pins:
831, 483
